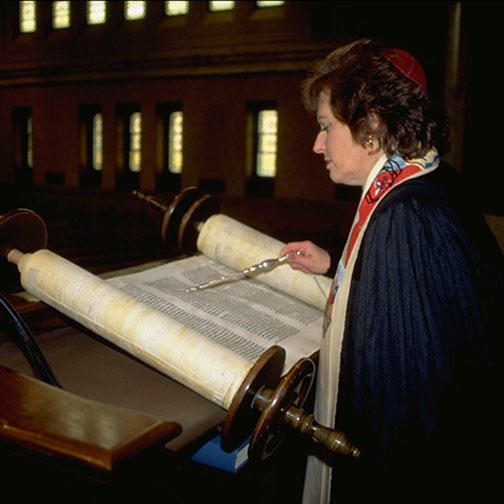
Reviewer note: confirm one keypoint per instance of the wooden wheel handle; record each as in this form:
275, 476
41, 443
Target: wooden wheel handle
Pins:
290, 392
241, 416
176, 211
276, 409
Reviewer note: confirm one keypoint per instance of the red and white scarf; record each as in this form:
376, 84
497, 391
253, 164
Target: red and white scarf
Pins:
385, 175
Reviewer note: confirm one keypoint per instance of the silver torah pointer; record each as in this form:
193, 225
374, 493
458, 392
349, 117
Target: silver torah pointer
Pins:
262, 267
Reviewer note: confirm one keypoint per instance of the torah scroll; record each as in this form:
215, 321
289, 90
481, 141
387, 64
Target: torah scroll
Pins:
210, 369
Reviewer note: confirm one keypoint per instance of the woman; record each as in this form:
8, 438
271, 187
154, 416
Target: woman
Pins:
407, 358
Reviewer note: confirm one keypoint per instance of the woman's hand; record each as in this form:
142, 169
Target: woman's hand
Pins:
307, 257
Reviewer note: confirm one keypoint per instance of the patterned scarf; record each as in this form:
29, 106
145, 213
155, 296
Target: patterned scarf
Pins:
394, 171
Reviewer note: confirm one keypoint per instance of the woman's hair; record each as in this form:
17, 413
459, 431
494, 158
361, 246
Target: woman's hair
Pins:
365, 86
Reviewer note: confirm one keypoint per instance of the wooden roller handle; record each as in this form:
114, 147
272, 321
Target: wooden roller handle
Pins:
284, 406
336, 441
14, 256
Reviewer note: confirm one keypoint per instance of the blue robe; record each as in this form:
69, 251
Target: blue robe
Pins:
419, 388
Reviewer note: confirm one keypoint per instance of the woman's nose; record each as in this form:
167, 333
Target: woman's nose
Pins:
319, 145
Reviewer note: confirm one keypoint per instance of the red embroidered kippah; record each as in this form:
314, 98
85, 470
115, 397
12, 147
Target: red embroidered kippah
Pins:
407, 65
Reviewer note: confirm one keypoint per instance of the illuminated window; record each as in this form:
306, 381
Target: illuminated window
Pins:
176, 8
270, 3
27, 17
134, 10
128, 144
96, 12
221, 5
175, 134
135, 142
169, 143
266, 143
261, 148
61, 14
97, 142
90, 145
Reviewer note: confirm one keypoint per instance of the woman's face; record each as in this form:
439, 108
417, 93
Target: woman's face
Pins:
348, 162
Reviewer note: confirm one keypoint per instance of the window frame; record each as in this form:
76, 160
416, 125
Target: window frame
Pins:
256, 184
54, 5
88, 13
125, 177
166, 179
89, 174
140, 17
22, 129
20, 17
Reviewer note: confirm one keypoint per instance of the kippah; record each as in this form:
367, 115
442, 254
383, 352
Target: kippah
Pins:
407, 65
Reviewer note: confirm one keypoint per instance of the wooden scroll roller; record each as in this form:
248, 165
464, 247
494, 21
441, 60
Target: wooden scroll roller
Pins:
183, 217
192, 221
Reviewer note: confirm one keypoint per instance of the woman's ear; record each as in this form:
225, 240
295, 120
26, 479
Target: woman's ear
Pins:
374, 122
375, 131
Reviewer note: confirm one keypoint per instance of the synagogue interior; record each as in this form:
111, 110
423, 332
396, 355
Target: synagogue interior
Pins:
104, 104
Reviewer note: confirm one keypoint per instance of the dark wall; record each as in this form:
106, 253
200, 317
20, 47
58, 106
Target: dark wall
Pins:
215, 65
483, 139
